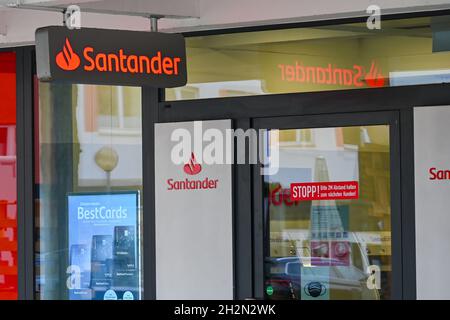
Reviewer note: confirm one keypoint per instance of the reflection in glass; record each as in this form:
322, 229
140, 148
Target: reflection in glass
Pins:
327, 249
88, 192
318, 58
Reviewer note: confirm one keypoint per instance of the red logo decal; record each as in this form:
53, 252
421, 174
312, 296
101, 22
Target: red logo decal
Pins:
67, 59
192, 167
374, 78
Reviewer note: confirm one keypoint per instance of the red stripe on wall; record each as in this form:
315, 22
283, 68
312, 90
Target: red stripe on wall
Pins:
7, 88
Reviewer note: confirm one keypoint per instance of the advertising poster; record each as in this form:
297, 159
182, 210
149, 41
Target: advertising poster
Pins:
103, 246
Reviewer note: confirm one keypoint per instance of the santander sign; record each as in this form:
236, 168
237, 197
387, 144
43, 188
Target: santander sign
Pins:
111, 57
119, 62
192, 168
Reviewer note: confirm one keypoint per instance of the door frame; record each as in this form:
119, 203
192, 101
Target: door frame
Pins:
390, 118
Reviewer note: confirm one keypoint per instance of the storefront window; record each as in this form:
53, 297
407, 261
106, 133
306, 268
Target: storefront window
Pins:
332, 57
8, 176
88, 192
336, 243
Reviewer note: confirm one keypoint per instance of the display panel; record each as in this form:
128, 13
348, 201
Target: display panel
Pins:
103, 246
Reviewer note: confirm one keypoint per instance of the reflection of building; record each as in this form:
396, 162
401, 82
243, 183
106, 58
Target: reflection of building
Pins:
110, 116
305, 145
325, 218
219, 89
331, 232
308, 155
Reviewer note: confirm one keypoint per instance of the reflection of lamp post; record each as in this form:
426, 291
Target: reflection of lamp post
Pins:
107, 159
364, 135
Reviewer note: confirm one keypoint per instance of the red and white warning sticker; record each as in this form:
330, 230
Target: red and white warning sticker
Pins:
342, 190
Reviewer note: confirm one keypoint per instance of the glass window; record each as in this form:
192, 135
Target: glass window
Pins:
88, 192
327, 249
8, 182
333, 57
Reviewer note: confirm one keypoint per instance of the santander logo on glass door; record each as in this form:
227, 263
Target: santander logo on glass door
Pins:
192, 167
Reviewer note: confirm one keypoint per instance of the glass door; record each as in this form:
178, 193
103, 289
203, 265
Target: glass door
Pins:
328, 208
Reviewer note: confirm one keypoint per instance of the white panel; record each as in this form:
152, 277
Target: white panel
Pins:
22, 24
212, 13
46, 2
185, 8
194, 255
2, 24
432, 197
162, 7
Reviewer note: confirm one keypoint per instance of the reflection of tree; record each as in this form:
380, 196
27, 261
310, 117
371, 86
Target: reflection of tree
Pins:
59, 157
325, 218
286, 218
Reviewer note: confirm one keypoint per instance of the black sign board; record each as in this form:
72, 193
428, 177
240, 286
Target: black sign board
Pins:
114, 57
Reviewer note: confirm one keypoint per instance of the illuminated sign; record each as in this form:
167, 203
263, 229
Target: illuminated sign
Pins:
116, 57
357, 76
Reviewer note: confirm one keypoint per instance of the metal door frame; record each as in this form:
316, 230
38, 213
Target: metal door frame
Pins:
323, 121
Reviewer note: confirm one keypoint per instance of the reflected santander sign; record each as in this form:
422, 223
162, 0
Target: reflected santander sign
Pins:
357, 77
114, 57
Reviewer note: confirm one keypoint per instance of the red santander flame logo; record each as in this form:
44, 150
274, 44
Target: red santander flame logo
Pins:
192, 167
67, 59
374, 78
